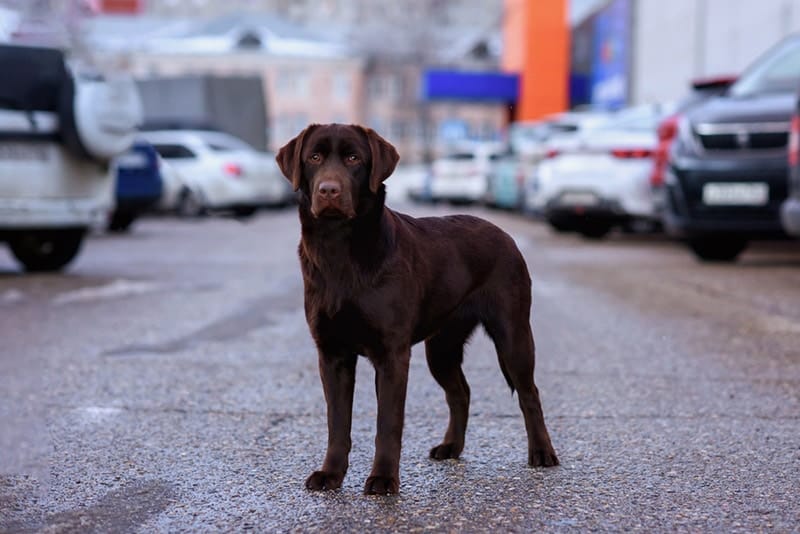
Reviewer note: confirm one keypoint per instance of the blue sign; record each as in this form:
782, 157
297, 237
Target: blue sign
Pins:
610, 67
470, 86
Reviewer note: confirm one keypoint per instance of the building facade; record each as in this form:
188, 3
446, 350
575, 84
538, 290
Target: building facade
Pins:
674, 42
631, 52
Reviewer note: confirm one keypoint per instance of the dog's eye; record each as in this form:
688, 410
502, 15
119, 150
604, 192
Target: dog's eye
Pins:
352, 158
315, 158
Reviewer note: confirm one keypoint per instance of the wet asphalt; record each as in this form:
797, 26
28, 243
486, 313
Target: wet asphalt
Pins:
167, 383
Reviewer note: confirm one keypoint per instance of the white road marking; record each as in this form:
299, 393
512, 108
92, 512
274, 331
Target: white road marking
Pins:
116, 289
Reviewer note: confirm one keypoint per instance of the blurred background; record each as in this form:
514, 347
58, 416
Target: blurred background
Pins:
522, 105
417, 70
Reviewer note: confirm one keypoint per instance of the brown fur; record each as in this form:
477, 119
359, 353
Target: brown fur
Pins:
377, 282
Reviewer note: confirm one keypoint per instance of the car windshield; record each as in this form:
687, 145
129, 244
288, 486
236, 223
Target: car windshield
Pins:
173, 151
460, 156
776, 72
224, 143
644, 119
529, 132
578, 122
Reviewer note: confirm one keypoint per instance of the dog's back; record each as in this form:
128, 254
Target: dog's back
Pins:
463, 265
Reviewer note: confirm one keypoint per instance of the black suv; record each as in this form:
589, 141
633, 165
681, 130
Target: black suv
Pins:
790, 213
727, 172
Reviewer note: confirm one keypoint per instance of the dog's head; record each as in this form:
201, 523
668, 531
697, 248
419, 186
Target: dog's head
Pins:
334, 165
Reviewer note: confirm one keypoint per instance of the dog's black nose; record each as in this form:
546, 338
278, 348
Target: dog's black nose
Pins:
329, 189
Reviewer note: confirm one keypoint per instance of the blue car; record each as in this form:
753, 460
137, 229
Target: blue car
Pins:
139, 185
506, 182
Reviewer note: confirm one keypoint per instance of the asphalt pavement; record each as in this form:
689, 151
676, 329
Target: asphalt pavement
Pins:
167, 383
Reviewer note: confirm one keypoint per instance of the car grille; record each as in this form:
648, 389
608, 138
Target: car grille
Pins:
743, 136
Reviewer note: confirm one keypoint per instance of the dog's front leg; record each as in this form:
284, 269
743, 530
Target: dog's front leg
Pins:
338, 374
391, 381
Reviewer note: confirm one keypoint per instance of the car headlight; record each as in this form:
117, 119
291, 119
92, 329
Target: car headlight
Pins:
687, 142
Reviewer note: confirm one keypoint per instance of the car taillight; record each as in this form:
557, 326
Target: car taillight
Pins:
636, 153
794, 141
551, 153
668, 129
232, 169
667, 132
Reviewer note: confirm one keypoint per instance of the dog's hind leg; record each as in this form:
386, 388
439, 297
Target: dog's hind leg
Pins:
445, 353
513, 340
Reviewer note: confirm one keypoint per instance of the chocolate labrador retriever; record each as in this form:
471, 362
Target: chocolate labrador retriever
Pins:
377, 282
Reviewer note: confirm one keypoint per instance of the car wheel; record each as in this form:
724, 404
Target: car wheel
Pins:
561, 226
47, 250
717, 248
594, 230
121, 221
189, 204
244, 211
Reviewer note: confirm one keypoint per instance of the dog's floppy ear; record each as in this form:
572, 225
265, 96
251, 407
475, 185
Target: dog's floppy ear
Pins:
288, 158
384, 158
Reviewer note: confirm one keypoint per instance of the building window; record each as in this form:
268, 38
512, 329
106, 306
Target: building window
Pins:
292, 82
396, 88
377, 124
386, 86
375, 87
400, 129
287, 126
342, 86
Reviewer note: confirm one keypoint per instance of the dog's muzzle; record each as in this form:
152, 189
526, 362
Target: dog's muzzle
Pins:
329, 201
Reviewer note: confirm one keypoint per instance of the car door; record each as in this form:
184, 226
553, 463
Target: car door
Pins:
251, 168
184, 160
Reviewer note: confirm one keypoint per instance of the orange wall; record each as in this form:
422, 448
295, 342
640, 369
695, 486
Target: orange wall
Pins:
536, 45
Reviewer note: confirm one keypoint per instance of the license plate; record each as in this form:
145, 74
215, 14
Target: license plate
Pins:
577, 198
23, 152
736, 194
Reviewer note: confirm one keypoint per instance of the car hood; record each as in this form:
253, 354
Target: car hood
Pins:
774, 107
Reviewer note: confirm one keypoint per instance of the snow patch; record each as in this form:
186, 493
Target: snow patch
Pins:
116, 289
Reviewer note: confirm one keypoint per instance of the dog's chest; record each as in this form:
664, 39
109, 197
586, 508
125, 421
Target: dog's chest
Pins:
347, 328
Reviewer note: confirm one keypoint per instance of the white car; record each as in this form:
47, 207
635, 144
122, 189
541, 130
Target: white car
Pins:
529, 139
220, 172
59, 129
597, 179
172, 186
462, 176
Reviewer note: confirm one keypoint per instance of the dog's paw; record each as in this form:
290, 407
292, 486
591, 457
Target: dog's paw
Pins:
542, 458
324, 480
379, 485
446, 451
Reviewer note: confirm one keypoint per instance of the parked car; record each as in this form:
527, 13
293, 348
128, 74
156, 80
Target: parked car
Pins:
506, 181
701, 90
528, 138
462, 175
220, 172
60, 125
727, 172
172, 186
509, 171
558, 128
790, 212
600, 179
139, 185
